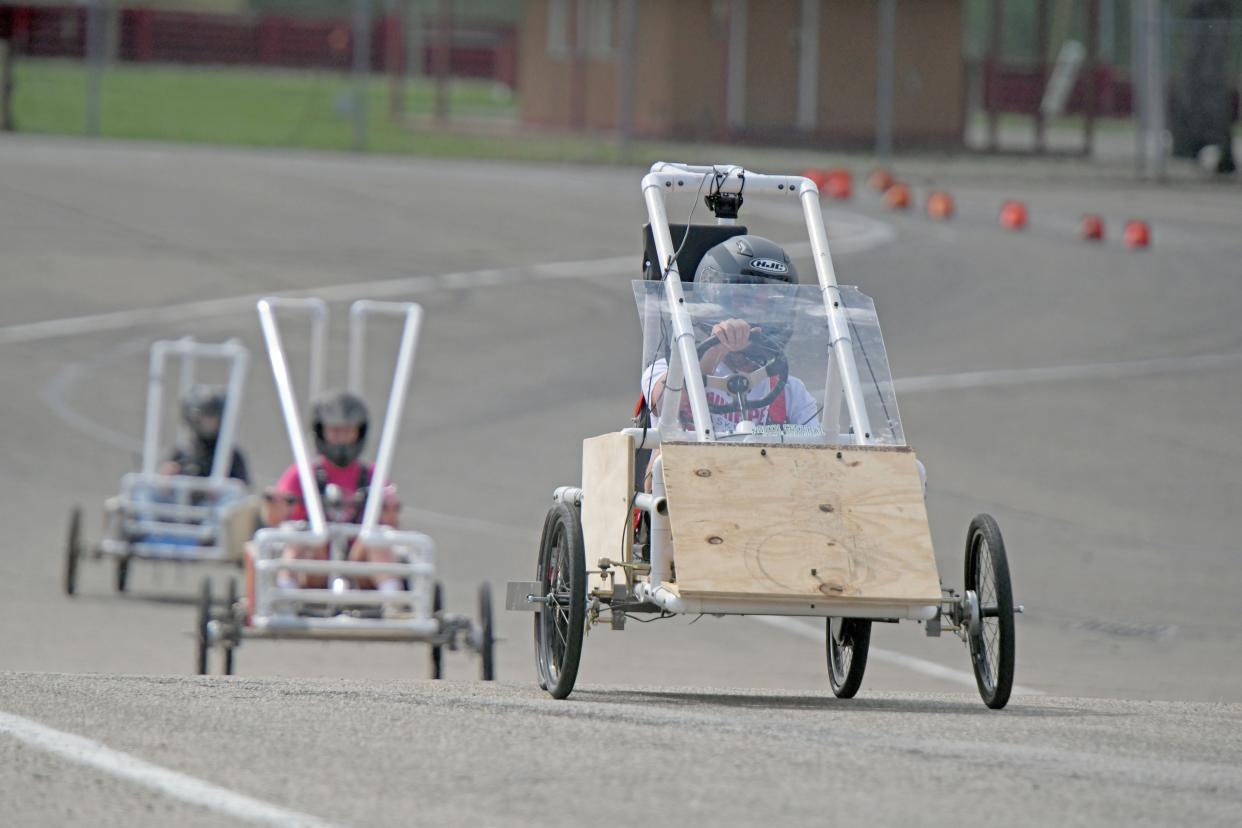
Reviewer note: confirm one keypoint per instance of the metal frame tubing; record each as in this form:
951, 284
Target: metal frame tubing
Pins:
838, 324
644, 438
293, 424
420, 569
173, 553
413, 314
190, 351
666, 599
569, 495
344, 628
358, 313
183, 485
661, 531
665, 177
679, 375
650, 504
317, 310
129, 515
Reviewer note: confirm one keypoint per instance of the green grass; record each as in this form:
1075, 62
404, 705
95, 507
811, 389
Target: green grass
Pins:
276, 108
234, 106
297, 109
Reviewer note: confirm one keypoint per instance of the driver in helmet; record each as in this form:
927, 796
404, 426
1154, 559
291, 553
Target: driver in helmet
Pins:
737, 362
202, 407
339, 420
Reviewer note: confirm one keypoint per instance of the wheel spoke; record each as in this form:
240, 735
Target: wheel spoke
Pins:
989, 615
559, 631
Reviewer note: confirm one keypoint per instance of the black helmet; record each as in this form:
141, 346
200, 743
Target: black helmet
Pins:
746, 260
201, 409
337, 408
750, 260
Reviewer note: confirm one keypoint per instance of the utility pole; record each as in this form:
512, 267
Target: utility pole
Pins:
395, 56
996, 50
1093, 77
1149, 95
885, 75
6, 70
735, 77
362, 71
1041, 49
808, 65
444, 58
627, 70
96, 43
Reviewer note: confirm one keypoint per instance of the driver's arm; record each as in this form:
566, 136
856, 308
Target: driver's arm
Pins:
734, 335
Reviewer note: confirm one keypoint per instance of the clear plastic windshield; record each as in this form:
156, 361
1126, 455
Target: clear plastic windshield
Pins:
768, 366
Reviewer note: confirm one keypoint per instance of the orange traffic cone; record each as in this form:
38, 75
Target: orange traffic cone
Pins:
1092, 227
897, 197
839, 184
940, 205
1137, 235
1013, 215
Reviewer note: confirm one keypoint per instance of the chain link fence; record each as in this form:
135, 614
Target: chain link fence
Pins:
1142, 78
361, 74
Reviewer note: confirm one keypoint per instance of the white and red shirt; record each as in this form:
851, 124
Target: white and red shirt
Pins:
795, 406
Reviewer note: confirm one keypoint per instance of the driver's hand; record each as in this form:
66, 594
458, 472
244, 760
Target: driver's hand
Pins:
734, 334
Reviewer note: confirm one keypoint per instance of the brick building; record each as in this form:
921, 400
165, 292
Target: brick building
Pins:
797, 71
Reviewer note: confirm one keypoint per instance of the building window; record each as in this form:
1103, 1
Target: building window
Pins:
558, 29
598, 24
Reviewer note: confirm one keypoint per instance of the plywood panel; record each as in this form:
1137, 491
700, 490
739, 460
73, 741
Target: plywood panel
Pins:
799, 522
607, 486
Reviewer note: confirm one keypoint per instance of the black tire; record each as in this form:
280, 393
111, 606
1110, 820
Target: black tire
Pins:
992, 646
487, 647
122, 573
437, 652
847, 645
559, 624
73, 551
203, 648
230, 617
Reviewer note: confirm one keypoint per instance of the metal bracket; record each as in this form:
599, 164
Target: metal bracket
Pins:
571, 495
620, 592
524, 596
970, 617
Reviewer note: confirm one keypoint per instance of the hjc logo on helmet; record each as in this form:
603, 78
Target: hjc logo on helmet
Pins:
769, 265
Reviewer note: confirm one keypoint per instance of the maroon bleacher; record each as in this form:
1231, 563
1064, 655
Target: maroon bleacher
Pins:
480, 50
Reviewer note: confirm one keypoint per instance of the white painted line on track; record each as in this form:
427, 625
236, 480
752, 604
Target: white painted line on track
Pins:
1060, 373
918, 665
119, 320
179, 786
862, 233
56, 393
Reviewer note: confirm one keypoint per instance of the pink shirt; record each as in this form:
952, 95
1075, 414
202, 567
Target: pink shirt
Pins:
346, 478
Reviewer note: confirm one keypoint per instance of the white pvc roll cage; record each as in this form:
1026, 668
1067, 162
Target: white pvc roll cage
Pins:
291, 412
671, 177
190, 352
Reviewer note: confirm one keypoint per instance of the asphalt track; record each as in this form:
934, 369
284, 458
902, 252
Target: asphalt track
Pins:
1086, 396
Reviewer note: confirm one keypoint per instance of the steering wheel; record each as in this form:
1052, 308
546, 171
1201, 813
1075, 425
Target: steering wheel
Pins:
769, 358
